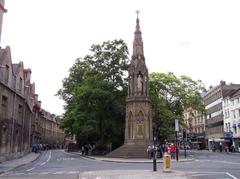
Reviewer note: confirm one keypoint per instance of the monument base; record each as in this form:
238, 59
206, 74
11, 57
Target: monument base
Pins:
130, 149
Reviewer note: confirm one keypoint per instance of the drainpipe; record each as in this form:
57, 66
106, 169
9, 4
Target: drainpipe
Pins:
23, 123
13, 113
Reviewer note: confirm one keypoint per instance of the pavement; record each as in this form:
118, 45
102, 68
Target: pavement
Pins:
125, 160
12, 164
139, 174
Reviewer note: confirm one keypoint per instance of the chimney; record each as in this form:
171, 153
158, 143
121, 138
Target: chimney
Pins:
27, 75
2, 11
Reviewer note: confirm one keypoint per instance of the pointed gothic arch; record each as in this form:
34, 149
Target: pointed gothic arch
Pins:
130, 125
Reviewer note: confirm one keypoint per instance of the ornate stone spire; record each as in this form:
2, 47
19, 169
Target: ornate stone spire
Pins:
137, 43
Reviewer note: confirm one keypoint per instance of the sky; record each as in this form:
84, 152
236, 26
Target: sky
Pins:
197, 38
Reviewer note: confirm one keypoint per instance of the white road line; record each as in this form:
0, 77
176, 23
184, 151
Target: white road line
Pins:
43, 163
205, 174
57, 173
68, 153
226, 162
49, 157
231, 175
30, 169
43, 173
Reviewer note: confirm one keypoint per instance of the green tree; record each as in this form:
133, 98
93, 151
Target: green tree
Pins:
95, 93
170, 95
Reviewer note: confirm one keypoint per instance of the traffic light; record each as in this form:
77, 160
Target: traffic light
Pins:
184, 134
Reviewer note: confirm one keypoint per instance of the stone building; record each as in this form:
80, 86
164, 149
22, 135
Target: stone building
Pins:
231, 113
213, 100
195, 128
22, 121
138, 124
2, 11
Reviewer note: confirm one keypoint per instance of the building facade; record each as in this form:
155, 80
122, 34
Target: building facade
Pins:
213, 100
195, 128
22, 121
231, 106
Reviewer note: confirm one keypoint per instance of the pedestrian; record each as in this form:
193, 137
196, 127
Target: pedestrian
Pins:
220, 147
149, 149
82, 150
90, 148
160, 150
172, 151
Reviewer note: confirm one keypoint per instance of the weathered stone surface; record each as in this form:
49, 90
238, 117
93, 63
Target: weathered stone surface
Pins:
138, 124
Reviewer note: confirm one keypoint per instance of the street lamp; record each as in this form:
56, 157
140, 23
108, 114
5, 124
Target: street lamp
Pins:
176, 142
154, 155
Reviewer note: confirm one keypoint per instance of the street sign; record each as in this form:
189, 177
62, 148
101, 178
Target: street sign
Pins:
176, 125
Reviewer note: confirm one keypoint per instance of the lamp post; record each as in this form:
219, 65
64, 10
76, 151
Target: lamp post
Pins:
176, 138
154, 155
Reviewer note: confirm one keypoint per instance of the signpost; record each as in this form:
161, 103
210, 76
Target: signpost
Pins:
154, 155
176, 143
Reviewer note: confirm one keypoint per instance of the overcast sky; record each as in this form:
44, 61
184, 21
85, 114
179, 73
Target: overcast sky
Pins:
197, 38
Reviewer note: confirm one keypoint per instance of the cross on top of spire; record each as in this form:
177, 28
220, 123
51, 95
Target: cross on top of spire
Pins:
137, 11
137, 43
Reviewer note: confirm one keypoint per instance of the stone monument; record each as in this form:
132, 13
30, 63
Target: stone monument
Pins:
138, 124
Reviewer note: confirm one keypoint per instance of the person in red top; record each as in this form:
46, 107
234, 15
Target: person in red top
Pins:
172, 151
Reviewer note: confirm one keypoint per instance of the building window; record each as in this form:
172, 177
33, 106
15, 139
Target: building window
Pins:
20, 84
229, 127
4, 106
235, 129
6, 73
20, 112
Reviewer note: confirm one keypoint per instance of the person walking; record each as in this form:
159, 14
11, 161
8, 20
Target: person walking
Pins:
172, 151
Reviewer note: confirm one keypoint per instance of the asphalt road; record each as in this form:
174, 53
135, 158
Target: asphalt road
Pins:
61, 165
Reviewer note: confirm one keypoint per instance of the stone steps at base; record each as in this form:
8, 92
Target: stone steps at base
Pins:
129, 151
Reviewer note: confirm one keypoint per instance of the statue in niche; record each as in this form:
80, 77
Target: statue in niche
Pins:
139, 83
140, 132
130, 85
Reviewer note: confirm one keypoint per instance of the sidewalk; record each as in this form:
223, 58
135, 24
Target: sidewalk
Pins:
139, 174
124, 160
11, 164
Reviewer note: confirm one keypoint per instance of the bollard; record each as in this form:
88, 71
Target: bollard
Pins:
167, 163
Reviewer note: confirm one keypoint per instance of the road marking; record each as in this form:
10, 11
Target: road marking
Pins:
63, 151
44, 173
49, 157
65, 159
233, 163
231, 175
43, 163
30, 169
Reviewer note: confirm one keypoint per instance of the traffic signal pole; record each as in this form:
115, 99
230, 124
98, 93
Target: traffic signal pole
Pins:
176, 146
154, 155
184, 142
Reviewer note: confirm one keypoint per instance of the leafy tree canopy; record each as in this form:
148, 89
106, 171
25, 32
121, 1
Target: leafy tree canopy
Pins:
170, 95
95, 93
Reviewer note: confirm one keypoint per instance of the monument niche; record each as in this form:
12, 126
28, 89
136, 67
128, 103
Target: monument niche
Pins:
138, 121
